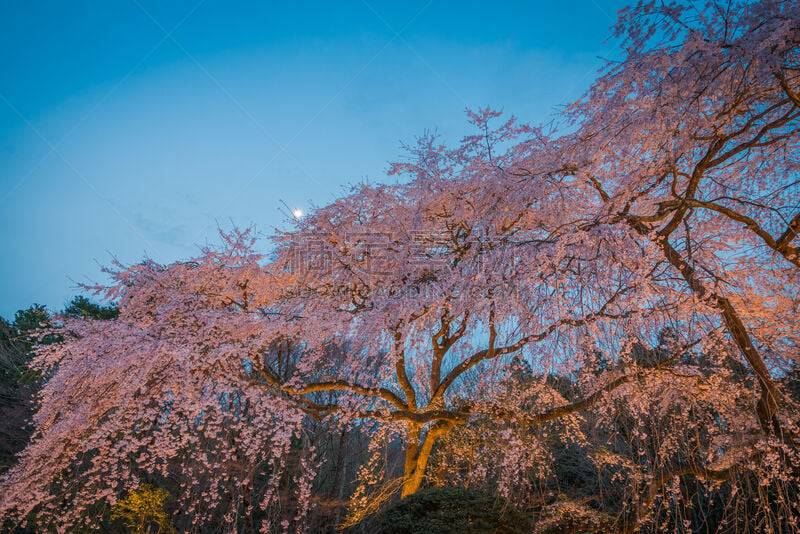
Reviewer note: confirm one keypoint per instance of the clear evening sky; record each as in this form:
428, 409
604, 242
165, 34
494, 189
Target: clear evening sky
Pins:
136, 128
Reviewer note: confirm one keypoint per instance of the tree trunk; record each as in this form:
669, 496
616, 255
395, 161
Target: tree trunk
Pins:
418, 452
412, 476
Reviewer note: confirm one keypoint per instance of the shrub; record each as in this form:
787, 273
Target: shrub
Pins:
453, 510
143, 511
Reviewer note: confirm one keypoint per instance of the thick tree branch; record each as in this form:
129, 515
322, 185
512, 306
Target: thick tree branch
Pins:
577, 406
400, 371
782, 245
331, 385
768, 404
492, 352
791, 93
442, 341
691, 187
590, 400
788, 236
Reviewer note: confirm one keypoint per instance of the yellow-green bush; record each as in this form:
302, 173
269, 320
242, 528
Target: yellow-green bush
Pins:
142, 511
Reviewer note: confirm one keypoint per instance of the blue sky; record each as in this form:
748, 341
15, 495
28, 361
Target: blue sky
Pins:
135, 128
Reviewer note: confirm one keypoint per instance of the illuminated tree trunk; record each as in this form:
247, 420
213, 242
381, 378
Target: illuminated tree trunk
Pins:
418, 452
412, 470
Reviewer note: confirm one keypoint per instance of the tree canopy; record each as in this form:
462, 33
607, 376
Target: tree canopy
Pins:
642, 266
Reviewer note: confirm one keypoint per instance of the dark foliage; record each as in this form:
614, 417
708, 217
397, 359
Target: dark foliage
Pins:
453, 510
